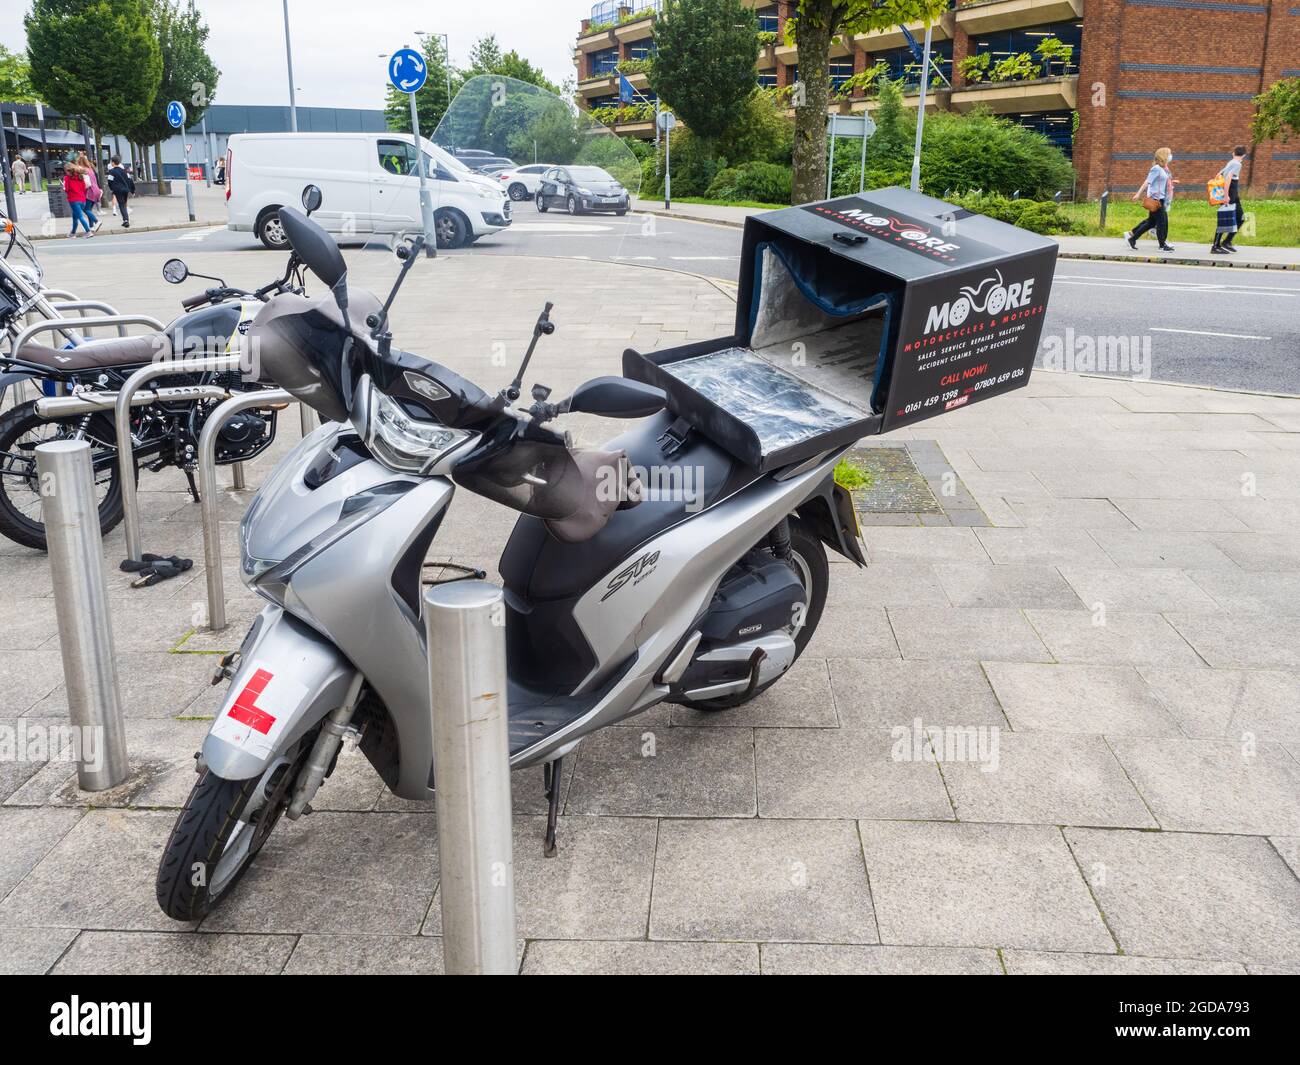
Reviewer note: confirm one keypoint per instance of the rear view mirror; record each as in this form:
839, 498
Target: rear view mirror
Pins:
311, 198
175, 271
616, 397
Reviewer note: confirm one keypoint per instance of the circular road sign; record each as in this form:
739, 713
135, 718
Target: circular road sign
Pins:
407, 70
176, 114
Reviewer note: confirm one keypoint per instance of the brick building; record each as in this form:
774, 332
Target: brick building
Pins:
1140, 74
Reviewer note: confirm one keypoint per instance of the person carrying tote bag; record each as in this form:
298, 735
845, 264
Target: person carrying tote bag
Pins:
1156, 194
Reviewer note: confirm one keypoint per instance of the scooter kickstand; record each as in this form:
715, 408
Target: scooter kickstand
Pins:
551, 782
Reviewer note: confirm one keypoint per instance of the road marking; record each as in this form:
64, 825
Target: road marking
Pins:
702, 258
1179, 287
201, 234
558, 227
1207, 333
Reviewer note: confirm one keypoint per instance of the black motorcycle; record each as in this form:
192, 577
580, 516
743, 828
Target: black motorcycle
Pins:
164, 432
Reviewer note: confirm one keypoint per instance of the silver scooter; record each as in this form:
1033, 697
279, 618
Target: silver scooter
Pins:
618, 596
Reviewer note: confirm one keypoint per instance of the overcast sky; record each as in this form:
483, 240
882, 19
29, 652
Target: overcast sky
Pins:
336, 44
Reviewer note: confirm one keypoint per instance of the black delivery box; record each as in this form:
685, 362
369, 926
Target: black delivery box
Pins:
856, 316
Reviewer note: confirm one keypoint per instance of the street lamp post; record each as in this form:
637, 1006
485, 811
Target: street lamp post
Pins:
288, 58
446, 59
920, 113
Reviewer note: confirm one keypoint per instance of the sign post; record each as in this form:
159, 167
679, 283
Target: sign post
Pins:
408, 72
176, 119
849, 126
666, 121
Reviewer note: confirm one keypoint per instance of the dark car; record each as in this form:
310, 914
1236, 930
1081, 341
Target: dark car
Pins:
582, 188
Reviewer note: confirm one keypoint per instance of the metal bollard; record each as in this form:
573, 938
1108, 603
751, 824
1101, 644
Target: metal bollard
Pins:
76, 549
208, 493
471, 772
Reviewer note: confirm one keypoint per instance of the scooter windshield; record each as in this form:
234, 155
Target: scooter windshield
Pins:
552, 159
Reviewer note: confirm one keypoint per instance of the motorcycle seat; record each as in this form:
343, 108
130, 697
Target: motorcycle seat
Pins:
114, 351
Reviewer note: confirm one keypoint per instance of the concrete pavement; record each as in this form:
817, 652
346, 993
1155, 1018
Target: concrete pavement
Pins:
148, 213
1053, 727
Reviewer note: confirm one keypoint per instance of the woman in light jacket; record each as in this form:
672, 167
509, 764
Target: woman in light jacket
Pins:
1159, 185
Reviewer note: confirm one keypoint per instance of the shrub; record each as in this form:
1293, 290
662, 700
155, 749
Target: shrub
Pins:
1038, 216
753, 181
978, 150
694, 163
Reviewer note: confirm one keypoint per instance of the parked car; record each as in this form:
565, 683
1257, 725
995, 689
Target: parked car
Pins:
581, 188
484, 166
370, 185
522, 182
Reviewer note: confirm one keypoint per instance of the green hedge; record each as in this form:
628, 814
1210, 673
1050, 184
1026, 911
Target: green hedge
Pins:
754, 181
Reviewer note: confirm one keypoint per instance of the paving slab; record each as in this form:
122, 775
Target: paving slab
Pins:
975, 885
1111, 637
759, 880
1078, 698
337, 955
99, 875
846, 773
597, 886
28, 837
798, 959
966, 634
1041, 963
161, 758
32, 951
1180, 895
174, 954
26, 677
970, 584
1230, 704
888, 583
150, 685
1242, 641
1138, 590
638, 958
1154, 548
666, 772
1211, 785
886, 544
337, 872
1042, 547
885, 694
853, 632
1289, 848
1046, 779
1249, 592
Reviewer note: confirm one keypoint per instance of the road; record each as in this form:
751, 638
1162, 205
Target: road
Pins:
1194, 325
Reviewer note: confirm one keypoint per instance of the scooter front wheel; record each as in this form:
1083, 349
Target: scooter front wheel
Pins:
219, 832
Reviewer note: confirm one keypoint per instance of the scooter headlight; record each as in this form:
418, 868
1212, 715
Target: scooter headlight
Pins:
403, 443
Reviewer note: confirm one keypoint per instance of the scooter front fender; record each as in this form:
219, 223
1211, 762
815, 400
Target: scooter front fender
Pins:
288, 678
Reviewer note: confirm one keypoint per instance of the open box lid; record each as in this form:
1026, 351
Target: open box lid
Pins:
858, 315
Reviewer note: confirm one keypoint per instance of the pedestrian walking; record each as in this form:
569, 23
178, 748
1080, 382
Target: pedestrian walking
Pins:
1156, 194
19, 171
1231, 173
74, 187
122, 187
94, 194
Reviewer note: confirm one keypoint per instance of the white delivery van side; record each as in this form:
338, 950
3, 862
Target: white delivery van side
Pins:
368, 181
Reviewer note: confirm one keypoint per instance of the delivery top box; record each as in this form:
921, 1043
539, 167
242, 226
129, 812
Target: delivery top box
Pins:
858, 315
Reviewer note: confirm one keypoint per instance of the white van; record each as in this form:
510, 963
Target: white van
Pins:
368, 182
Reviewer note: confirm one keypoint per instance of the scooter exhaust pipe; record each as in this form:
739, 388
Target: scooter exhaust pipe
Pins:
91, 402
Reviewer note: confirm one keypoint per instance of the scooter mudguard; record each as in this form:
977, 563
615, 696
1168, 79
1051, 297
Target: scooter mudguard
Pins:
288, 678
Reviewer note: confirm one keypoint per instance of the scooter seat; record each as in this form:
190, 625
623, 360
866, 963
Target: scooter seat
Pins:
115, 351
537, 564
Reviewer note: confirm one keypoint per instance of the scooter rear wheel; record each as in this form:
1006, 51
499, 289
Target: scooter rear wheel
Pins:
808, 555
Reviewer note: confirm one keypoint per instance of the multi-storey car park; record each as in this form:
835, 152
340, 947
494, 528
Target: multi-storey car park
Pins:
1140, 74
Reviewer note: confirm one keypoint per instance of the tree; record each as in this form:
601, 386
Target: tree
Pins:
188, 73
815, 24
15, 77
705, 51
1277, 111
486, 57
432, 101
97, 58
